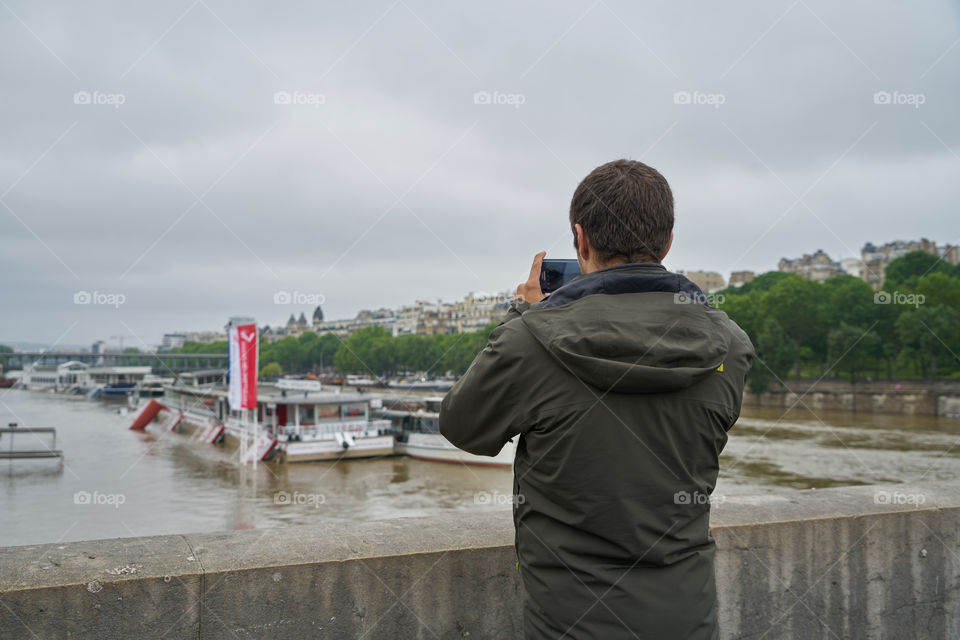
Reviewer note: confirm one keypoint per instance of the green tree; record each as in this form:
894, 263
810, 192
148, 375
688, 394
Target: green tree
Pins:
324, 349
847, 343
763, 282
926, 332
203, 347
776, 354
417, 354
370, 351
903, 273
939, 289
271, 370
797, 305
744, 308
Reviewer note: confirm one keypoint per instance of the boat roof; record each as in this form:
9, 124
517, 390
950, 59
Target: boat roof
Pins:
196, 373
270, 394
121, 369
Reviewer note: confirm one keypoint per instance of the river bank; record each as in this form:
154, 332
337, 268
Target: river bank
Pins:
941, 398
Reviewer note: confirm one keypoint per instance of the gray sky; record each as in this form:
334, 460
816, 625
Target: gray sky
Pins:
387, 178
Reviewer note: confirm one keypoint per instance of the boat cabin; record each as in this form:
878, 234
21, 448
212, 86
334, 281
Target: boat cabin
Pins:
280, 411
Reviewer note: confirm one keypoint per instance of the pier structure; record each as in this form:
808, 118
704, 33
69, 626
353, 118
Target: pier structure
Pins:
161, 363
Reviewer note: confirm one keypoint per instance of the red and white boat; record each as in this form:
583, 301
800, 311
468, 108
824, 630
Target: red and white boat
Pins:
291, 425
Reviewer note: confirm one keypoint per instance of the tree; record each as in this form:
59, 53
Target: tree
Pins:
417, 354
939, 289
847, 343
744, 308
220, 347
763, 282
324, 349
370, 350
776, 354
271, 370
925, 332
903, 273
797, 305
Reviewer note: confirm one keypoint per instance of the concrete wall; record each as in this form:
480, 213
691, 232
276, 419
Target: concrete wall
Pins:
912, 398
862, 562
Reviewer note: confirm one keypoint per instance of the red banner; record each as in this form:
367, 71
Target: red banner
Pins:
243, 366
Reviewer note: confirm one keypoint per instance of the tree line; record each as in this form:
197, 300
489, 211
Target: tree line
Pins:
371, 351
802, 328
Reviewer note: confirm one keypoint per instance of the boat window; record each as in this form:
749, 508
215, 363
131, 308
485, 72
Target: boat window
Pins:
307, 413
352, 410
328, 412
430, 425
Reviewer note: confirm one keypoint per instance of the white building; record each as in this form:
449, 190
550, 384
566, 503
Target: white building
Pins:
79, 376
173, 341
853, 267
817, 266
56, 377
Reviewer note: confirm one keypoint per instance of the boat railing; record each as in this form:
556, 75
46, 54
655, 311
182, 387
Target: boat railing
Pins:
11, 453
330, 429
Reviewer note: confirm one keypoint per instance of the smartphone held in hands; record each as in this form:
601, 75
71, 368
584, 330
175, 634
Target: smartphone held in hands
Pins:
556, 273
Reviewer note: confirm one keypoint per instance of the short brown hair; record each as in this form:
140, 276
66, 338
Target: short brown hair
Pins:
626, 210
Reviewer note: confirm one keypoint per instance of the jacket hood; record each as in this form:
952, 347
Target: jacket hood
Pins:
634, 328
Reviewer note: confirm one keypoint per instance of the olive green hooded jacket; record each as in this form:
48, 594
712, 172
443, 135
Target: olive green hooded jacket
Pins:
621, 387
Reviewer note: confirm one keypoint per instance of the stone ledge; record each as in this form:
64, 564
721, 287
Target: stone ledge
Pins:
791, 564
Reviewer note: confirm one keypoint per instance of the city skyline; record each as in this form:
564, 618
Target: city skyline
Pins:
868, 267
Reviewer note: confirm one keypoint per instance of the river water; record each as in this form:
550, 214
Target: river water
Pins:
114, 482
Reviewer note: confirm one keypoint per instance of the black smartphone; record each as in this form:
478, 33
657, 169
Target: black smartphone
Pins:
556, 273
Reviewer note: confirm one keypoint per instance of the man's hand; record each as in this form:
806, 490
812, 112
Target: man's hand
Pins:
530, 290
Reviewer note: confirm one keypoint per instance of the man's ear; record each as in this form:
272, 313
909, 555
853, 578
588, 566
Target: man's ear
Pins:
669, 245
581, 243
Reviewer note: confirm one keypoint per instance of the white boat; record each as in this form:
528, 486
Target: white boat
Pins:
152, 386
417, 429
421, 384
291, 426
61, 377
79, 377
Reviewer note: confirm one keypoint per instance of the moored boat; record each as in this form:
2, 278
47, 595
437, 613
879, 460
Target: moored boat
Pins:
416, 424
289, 426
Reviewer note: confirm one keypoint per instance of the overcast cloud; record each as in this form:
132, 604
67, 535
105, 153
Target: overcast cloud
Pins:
204, 193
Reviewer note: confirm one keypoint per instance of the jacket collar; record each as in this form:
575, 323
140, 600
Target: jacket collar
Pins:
637, 277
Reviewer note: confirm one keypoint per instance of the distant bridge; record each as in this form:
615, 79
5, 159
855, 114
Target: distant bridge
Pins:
162, 363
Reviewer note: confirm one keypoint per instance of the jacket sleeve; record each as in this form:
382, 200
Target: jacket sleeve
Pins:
480, 414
